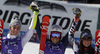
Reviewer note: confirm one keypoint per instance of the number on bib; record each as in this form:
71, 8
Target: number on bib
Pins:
9, 51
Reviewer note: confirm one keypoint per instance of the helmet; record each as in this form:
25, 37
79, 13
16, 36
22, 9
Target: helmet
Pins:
54, 29
86, 33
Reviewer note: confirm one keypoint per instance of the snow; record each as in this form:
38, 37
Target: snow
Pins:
33, 48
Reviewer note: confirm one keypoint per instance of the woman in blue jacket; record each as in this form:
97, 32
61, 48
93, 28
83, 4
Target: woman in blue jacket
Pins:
57, 43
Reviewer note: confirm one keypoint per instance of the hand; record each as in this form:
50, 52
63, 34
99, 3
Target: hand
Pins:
76, 18
77, 13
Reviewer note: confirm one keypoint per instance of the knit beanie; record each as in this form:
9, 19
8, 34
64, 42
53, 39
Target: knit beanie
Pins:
15, 21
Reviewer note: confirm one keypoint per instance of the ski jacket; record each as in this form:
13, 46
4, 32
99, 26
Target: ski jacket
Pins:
14, 44
11, 46
51, 48
92, 51
58, 48
84, 52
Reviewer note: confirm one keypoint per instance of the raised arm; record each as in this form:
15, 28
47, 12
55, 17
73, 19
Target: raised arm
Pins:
32, 26
71, 32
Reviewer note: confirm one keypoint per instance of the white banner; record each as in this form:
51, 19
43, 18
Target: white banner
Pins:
60, 12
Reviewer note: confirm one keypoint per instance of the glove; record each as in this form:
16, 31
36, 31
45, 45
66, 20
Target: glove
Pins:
35, 12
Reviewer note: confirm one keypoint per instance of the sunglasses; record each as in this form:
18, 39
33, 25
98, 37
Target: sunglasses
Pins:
55, 35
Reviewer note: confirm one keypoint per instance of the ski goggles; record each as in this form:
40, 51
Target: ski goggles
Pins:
55, 35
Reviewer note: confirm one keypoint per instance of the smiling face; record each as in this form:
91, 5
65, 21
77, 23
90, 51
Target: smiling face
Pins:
55, 40
55, 37
14, 30
86, 42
